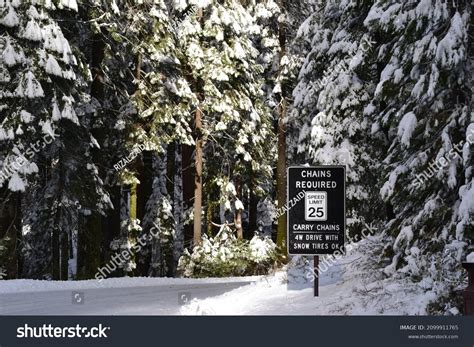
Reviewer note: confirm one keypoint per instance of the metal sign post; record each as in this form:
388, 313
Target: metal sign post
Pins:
316, 212
316, 275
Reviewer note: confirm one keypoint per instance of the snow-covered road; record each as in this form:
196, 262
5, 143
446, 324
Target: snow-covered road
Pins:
158, 299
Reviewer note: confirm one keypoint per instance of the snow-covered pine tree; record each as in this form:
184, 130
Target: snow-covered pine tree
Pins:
422, 109
159, 220
220, 63
108, 44
203, 58
160, 122
36, 61
42, 84
392, 81
327, 123
139, 44
282, 77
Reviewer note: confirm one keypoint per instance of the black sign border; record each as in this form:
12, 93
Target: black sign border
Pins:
343, 167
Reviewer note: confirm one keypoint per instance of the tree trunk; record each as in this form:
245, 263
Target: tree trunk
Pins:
210, 214
159, 246
198, 179
19, 236
88, 250
55, 248
98, 54
178, 246
170, 168
128, 210
133, 201
64, 268
90, 231
238, 212
133, 190
10, 227
188, 187
146, 181
281, 165
281, 178
170, 188
144, 189
57, 214
253, 213
198, 161
111, 223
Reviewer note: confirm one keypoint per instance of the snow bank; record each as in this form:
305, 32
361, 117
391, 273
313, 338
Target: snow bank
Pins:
470, 258
346, 288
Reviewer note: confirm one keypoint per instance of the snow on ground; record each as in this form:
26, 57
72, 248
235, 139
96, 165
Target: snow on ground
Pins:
470, 258
350, 286
23, 286
346, 288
